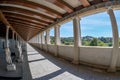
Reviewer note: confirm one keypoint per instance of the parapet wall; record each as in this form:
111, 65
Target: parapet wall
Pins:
94, 56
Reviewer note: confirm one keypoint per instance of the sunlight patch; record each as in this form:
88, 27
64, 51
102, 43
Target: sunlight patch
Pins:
66, 76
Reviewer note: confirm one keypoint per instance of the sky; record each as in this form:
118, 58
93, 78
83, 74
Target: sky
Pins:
97, 25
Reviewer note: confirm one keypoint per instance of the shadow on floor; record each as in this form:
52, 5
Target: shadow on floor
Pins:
75, 72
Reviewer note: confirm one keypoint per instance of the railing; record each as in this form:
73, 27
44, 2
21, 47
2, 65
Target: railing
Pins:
100, 56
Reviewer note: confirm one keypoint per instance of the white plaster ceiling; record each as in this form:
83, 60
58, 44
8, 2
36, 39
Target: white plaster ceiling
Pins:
50, 5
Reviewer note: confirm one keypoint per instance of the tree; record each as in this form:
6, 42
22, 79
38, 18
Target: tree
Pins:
93, 42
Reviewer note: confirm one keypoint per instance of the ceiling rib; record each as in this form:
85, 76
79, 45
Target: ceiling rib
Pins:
24, 26
85, 3
63, 5
33, 6
26, 16
26, 23
24, 20
28, 12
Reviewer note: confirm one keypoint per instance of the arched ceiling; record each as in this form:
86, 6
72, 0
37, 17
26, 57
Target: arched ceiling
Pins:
28, 17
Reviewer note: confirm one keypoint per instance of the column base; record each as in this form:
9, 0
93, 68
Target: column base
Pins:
11, 67
111, 70
56, 55
20, 59
75, 62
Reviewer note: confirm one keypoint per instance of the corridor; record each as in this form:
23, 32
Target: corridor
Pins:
44, 66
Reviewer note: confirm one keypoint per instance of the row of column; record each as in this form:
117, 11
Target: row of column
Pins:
16, 48
77, 39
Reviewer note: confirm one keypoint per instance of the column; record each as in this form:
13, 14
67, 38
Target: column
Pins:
42, 39
13, 42
16, 40
13, 35
10, 65
77, 41
57, 38
39, 38
20, 56
47, 39
115, 51
17, 48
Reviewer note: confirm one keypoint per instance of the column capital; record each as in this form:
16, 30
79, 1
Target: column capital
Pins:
109, 9
13, 31
57, 25
77, 17
8, 26
48, 29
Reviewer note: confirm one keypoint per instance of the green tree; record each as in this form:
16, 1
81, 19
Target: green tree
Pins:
93, 42
101, 43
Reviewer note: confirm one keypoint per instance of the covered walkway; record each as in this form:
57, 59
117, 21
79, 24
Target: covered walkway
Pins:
44, 66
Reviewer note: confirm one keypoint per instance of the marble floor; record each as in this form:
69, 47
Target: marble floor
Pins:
44, 66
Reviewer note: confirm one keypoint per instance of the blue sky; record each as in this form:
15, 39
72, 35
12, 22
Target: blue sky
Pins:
96, 25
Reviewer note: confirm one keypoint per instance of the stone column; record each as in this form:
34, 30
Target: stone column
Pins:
39, 38
13, 42
115, 51
47, 39
42, 39
13, 35
10, 65
19, 47
57, 38
16, 41
77, 41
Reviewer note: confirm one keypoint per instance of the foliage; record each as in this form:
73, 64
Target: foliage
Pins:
86, 41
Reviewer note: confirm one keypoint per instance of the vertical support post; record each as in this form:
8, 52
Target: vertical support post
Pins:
57, 38
115, 51
20, 56
10, 65
13, 42
77, 41
42, 39
39, 39
16, 40
47, 39
13, 35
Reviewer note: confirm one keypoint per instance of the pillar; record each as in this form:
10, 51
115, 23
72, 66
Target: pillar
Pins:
47, 39
13, 35
19, 47
16, 41
39, 38
13, 41
115, 51
77, 41
42, 40
10, 65
57, 38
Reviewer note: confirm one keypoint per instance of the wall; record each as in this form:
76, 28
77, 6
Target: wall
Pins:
2, 45
118, 62
66, 51
96, 55
51, 48
100, 56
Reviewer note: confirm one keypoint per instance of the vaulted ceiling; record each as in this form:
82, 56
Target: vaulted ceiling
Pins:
28, 17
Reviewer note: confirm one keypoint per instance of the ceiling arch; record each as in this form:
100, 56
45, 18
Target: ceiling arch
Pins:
29, 17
